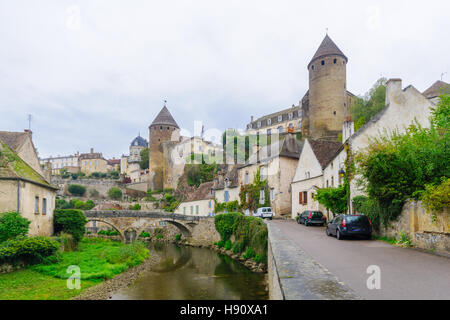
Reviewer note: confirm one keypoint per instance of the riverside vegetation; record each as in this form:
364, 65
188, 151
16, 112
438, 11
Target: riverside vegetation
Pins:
46, 259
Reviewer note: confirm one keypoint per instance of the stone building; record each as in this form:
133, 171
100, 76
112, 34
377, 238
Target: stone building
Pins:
324, 107
23, 188
163, 129
70, 163
198, 203
309, 176
277, 163
129, 165
226, 185
93, 162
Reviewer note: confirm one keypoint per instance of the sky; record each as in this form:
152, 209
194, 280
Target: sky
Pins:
95, 73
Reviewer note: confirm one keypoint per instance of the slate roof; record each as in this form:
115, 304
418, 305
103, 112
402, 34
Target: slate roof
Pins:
326, 48
13, 139
140, 142
164, 118
436, 89
324, 150
201, 193
14, 167
232, 176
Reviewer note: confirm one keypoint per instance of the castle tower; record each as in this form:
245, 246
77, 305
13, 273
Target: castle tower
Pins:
327, 91
163, 129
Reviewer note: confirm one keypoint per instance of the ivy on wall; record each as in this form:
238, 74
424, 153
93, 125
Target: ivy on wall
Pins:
252, 201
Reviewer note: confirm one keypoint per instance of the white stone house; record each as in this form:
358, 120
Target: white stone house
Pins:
314, 172
198, 203
226, 185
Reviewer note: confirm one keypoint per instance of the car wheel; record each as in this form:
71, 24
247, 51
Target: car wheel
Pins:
306, 223
328, 232
338, 235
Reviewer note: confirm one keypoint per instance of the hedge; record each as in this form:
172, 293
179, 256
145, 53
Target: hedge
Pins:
28, 250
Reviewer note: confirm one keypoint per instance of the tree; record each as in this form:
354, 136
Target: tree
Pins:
12, 225
71, 221
368, 106
144, 163
115, 193
77, 190
334, 199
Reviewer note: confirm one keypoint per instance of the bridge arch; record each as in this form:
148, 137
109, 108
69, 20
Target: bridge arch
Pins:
184, 230
122, 235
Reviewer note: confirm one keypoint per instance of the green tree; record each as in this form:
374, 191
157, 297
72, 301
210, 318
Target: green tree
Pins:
12, 225
144, 163
71, 221
334, 199
115, 193
77, 190
373, 102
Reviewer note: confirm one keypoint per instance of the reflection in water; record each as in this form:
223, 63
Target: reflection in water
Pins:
194, 273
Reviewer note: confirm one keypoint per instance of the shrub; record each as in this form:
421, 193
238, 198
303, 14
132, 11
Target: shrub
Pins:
77, 190
437, 197
226, 224
29, 250
228, 245
249, 253
159, 236
238, 246
109, 233
71, 221
136, 207
12, 225
93, 193
115, 193
258, 258
178, 237
334, 199
144, 234
221, 243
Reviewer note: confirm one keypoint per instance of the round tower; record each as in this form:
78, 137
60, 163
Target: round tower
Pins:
163, 129
327, 91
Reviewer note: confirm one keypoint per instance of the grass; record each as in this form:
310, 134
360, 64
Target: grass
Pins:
31, 285
98, 259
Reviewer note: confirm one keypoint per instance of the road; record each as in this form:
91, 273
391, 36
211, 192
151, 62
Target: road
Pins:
405, 273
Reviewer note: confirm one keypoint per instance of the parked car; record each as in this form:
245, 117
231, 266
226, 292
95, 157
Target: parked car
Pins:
264, 212
311, 217
344, 225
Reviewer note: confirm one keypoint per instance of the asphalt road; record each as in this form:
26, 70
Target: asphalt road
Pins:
404, 273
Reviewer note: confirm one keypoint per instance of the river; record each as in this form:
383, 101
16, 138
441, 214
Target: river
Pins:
194, 273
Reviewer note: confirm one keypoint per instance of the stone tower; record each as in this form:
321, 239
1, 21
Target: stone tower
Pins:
163, 129
328, 97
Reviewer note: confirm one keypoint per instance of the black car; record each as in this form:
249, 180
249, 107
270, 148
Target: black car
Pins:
350, 225
311, 217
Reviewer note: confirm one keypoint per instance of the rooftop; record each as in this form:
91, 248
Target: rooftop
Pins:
326, 48
436, 89
324, 150
164, 117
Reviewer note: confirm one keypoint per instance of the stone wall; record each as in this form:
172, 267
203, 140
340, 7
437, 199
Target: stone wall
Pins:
101, 185
420, 227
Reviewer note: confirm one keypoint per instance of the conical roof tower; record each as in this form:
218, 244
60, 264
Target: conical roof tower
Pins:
165, 118
327, 48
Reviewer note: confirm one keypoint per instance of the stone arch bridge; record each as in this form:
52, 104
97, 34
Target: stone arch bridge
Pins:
130, 224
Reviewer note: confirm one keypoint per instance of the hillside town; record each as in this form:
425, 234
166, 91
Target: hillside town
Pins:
333, 155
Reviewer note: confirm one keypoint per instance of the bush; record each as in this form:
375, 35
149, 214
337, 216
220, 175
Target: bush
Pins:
221, 243
249, 253
77, 190
333, 199
71, 221
136, 207
109, 233
29, 250
115, 193
437, 197
144, 234
159, 236
238, 247
226, 224
228, 245
178, 237
12, 225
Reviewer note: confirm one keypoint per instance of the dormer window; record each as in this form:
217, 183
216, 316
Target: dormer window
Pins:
269, 121
259, 124
280, 118
226, 182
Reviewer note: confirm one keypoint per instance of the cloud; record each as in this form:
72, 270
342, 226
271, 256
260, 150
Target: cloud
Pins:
95, 73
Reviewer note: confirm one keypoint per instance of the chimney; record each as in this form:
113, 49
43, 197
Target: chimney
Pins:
48, 171
92, 150
251, 119
393, 87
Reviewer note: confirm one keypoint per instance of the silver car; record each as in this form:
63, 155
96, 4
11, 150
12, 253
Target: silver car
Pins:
264, 212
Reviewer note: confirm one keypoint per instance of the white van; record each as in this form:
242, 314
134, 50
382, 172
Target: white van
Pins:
264, 212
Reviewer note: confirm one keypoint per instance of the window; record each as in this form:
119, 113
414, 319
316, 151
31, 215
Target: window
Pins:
259, 124
269, 121
168, 128
280, 118
334, 61
280, 129
300, 197
300, 124
246, 197
305, 197
312, 67
246, 178
192, 209
44, 206
332, 181
212, 191
290, 115
184, 210
160, 128
291, 126
300, 113
209, 204
327, 183
261, 196
334, 112
272, 194
269, 132
196, 209
262, 174
226, 182
226, 196
323, 62
36, 204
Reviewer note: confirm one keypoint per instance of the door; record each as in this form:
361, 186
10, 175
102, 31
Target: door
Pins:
334, 224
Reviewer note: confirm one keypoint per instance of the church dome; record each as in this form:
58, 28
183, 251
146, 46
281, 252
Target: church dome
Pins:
139, 141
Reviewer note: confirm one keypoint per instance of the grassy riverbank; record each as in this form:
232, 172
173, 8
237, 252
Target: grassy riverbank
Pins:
98, 260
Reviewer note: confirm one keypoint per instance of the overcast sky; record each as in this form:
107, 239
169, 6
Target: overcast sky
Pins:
95, 73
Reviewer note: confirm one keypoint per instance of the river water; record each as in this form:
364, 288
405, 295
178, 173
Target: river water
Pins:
194, 273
